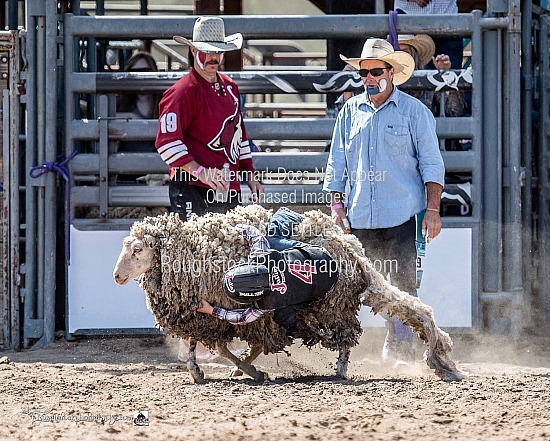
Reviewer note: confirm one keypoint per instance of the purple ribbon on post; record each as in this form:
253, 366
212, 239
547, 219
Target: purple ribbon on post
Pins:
61, 168
392, 36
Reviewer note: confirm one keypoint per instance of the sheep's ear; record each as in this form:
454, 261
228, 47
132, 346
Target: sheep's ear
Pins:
149, 240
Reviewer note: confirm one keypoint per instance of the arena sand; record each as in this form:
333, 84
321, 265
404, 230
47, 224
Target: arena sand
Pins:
91, 390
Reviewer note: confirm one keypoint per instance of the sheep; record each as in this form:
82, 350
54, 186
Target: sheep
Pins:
177, 263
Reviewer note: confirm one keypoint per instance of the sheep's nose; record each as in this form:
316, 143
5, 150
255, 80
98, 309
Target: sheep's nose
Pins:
119, 279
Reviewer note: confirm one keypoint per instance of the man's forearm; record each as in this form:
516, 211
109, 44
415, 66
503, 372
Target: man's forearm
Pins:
237, 316
433, 192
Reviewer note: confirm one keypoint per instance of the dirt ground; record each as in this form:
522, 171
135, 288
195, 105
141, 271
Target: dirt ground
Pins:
62, 392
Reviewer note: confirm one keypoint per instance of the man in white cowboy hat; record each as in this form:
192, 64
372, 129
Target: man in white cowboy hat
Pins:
385, 167
201, 128
201, 132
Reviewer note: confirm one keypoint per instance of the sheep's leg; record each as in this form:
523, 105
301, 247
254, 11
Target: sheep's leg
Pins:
192, 366
419, 317
243, 366
342, 363
250, 355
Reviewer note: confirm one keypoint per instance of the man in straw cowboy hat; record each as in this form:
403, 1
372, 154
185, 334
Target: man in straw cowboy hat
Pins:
201, 132
385, 167
201, 128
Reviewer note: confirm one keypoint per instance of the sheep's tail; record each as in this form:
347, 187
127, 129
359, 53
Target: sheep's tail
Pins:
385, 298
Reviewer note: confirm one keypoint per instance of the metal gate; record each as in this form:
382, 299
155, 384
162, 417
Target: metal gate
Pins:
501, 250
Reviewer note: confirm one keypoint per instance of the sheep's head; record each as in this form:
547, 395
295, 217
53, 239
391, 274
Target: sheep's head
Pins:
135, 258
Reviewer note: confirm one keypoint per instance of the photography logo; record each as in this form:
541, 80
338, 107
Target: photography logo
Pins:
141, 417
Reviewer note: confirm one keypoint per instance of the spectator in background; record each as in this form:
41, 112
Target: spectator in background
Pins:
384, 168
451, 46
136, 105
422, 48
139, 105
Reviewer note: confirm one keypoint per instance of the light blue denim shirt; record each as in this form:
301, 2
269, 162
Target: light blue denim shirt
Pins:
382, 158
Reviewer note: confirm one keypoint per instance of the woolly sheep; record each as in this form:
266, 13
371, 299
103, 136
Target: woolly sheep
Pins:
178, 263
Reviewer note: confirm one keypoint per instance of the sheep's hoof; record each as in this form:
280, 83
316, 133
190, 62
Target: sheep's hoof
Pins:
235, 372
260, 377
196, 373
342, 375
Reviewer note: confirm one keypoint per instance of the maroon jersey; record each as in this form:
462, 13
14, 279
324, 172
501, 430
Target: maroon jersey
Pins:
202, 121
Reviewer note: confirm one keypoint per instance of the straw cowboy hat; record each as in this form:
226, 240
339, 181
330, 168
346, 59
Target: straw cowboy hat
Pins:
209, 35
424, 45
378, 49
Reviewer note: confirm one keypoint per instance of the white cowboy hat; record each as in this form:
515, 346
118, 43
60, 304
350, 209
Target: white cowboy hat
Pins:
424, 45
209, 35
378, 49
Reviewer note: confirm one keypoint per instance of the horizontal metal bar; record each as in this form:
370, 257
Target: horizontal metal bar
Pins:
296, 81
268, 162
134, 332
88, 163
122, 195
459, 161
122, 129
494, 23
290, 128
157, 196
255, 27
515, 298
460, 127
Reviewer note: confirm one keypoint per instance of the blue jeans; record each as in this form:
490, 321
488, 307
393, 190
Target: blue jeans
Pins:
280, 228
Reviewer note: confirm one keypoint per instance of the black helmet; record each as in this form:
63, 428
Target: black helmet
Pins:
246, 283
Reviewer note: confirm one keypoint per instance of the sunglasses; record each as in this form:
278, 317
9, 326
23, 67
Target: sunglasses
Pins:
376, 72
212, 52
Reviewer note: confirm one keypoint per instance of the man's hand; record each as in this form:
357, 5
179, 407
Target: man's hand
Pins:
442, 62
256, 189
431, 225
206, 308
340, 219
422, 3
214, 178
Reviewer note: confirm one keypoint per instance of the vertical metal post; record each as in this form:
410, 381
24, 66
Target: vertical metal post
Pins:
12, 179
30, 193
477, 112
50, 135
12, 14
5, 307
7, 310
103, 156
143, 7
513, 251
543, 169
71, 62
527, 150
477, 148
100, 7
40, 140
491, 187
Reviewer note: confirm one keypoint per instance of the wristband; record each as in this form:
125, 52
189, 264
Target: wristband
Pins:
336, 206
197, 172
433, 209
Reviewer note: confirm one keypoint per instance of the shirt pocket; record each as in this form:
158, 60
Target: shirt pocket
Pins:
396, 139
